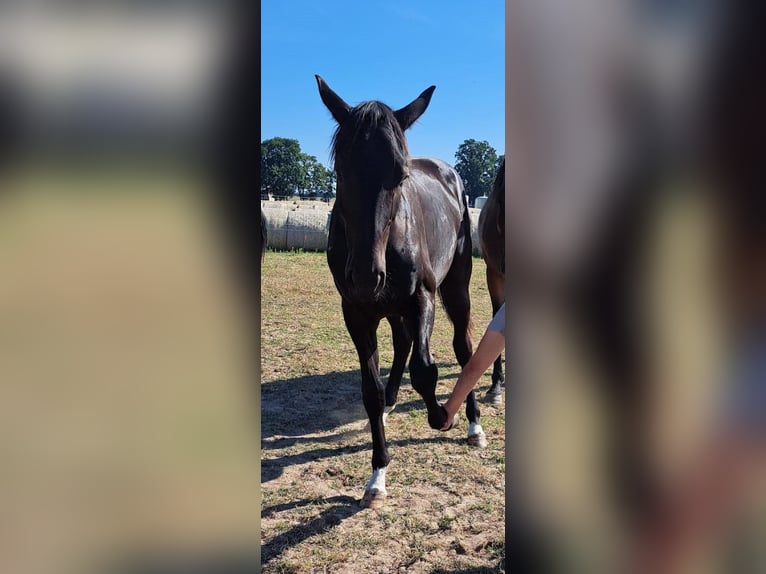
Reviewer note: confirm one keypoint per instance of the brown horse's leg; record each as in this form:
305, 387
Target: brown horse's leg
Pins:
402, 345
423, 371
457, 302
496, 287
363, 333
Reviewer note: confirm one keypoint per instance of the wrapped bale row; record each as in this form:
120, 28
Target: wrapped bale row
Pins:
308, 229
474, 213
297, 229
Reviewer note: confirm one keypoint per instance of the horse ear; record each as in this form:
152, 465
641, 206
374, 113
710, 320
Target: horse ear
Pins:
407, 115
338, 108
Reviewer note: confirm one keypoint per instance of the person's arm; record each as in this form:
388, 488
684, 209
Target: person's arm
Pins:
489, 349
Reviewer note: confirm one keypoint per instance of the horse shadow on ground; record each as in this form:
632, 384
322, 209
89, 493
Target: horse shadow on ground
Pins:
273, 468
343, 507
294, 410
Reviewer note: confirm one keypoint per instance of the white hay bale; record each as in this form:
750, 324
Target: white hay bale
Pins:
307, 229
276, 227
474, 215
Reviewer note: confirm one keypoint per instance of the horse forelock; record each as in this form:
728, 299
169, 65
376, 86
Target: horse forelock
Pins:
365, 117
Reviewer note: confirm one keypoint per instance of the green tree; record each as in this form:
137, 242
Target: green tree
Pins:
322, 180
476, 162
282, 167
317, 179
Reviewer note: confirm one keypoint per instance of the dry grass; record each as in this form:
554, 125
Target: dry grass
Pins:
444, 511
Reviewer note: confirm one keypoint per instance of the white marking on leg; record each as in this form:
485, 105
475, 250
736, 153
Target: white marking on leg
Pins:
476, 436
377, 482
387, 410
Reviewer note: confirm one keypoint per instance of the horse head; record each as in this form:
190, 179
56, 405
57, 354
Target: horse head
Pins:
371, 159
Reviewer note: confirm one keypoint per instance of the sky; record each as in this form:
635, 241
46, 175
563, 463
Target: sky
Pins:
386, 50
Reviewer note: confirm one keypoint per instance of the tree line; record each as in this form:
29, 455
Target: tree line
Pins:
286, 171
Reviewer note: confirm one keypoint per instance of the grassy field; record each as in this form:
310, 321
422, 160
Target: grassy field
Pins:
445, 505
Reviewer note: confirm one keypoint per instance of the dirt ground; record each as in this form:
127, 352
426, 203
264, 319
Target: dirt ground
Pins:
445, 505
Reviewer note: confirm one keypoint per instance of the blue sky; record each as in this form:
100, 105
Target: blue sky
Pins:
387, 50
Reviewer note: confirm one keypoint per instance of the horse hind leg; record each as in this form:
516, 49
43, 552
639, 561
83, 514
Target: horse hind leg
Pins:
457, 303
496, 288
402, 346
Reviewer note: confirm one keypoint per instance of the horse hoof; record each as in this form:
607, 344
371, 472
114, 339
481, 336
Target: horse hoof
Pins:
494, 398
478, 440
439, 424
476, 435
455, 421
373, 499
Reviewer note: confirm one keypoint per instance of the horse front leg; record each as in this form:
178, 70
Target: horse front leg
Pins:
476, 435
496, 288
363, 333
423, 371
457, 303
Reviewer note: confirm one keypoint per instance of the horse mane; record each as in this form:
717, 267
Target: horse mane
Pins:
498, 186
371, 114
496, 200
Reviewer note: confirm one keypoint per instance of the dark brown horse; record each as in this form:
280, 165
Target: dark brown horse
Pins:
492, 241
399, 232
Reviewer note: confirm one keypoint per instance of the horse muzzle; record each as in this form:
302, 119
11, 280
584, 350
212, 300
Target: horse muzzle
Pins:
366, 284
